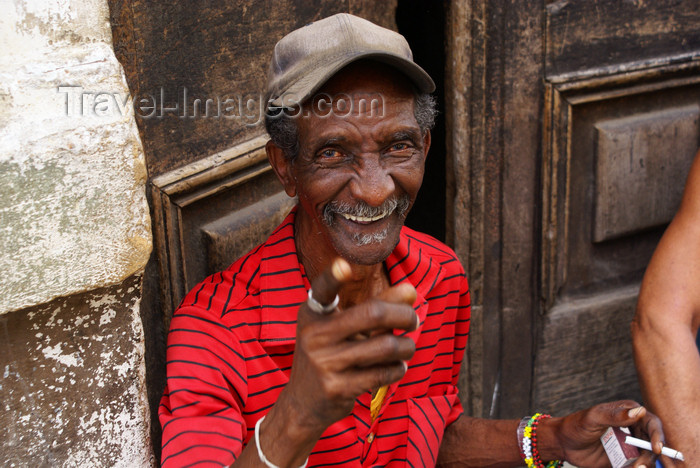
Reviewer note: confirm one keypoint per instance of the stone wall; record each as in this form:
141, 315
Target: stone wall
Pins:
75, 237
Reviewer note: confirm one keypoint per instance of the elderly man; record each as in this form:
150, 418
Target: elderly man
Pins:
338, 342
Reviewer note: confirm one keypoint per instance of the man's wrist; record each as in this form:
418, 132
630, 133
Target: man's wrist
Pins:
284, 438
548, 441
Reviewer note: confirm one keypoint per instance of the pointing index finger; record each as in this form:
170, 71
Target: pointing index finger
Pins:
327, 285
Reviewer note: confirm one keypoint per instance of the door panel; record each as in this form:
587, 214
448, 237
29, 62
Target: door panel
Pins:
571, 126
621, 114
584, 357
604, 37
192, 203
616, 168
649, 184
233, 235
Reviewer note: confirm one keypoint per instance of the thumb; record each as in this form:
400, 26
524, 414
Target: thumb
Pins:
615, 413
620, 413
635, 414
403, 293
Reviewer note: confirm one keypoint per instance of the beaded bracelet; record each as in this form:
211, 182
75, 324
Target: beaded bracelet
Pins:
528, 442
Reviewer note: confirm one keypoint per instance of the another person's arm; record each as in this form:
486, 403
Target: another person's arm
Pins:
666, 323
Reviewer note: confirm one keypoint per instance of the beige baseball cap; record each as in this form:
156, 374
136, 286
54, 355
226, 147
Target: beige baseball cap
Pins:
306, 58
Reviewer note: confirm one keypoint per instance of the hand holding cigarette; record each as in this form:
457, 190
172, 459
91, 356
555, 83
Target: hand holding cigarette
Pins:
646, 445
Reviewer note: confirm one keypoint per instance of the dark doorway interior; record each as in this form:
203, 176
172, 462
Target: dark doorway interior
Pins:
422, 23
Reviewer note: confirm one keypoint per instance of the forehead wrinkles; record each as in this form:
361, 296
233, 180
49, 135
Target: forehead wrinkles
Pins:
396, 118
354, 103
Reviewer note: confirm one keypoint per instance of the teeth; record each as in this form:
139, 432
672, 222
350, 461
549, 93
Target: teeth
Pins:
363, 219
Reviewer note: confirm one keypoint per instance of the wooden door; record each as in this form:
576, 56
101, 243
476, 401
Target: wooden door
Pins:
571, 126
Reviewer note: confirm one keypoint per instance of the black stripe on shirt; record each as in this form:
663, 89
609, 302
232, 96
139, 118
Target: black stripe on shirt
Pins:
431, 245
193, 431
401, 260
196, 446
427, 444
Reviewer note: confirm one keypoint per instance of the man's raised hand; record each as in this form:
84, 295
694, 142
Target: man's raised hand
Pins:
332, 367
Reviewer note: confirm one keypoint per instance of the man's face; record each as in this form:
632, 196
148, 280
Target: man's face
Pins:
360, 164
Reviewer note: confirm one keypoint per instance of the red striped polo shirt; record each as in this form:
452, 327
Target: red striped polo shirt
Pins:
231, 344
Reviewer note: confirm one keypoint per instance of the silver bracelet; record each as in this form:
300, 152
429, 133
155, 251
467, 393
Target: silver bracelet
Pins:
261, 455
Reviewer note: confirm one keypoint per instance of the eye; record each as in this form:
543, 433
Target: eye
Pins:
398, 147
329, 153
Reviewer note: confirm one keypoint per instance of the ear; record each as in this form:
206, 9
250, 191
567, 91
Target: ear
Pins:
426, 143
282, 167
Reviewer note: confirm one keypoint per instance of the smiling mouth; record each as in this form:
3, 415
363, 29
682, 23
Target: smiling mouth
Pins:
362, 213
364, 219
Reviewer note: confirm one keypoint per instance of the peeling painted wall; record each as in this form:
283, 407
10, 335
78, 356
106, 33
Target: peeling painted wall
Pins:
75, 237
73, 214
73, 382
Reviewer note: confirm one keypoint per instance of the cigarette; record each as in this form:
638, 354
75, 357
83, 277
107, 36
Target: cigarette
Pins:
643, 444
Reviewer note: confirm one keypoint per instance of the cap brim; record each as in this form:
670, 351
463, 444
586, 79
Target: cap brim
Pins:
300, 90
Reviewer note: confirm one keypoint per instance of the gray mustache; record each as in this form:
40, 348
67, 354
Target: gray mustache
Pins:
362, 209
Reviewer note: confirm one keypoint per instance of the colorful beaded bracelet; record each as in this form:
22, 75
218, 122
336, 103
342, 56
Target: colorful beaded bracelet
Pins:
527, 442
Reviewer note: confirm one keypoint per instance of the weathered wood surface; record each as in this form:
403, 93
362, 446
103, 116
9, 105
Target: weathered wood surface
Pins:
230, 237
525, 102
585, 354
587, 190
602, 37
177, 52
641, 163
210, 190
493, 101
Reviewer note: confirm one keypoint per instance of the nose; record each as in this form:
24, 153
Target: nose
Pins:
372, 182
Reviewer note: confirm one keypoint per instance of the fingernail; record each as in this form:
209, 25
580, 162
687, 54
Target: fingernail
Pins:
417, 322
340, 269
634, 412
407, 292
642, 466
405, 366
660, 445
